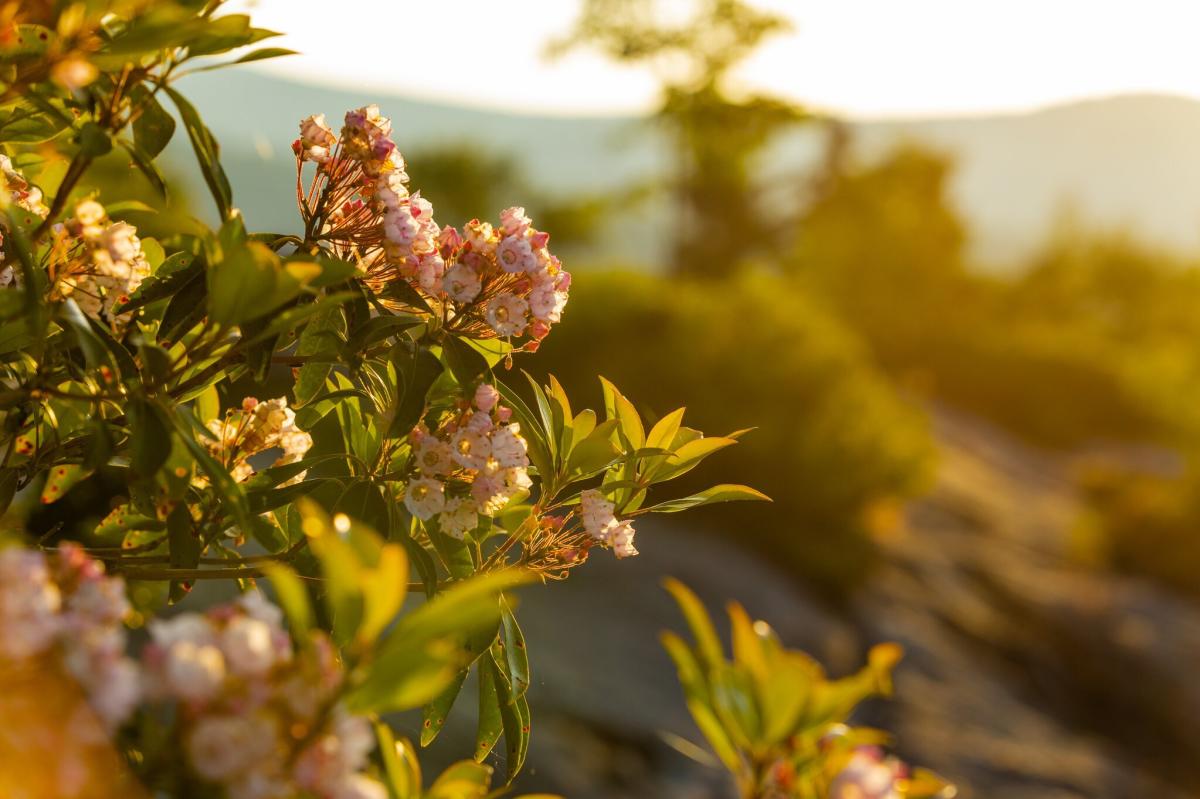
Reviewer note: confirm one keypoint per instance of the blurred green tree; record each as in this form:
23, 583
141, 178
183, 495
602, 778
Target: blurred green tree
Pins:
715, 136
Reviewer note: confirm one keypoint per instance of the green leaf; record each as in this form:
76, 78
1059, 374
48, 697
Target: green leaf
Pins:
515, 719
263, 53
208, 404
207, 153
514, 650
292, 597
185, 545
377, 328
94, 141
8, 487
696, 696
417, 373
726, 492
60, 480
491, 723
553, 431
423, 654
462, 780
94, 350
154, 127
322, 335
149, 437
620, 408
687, 457
466, 362
250, 280
434, 714
708, 644
399, 764
145, 164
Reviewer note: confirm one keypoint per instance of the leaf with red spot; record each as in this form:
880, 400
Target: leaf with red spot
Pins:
60, 481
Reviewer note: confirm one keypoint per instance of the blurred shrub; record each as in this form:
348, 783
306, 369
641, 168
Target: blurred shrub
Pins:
1048, 352
1143, 524
834, 443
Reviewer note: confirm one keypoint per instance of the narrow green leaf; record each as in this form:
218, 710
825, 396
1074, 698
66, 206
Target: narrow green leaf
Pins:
207, 153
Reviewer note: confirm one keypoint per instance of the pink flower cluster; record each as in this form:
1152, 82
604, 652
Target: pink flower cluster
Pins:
474, 464
602, 524
869, 775
105, 265
492, 282
260, 718
257, 427
63, 605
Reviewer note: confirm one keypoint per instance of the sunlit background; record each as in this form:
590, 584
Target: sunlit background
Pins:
866, 58
944, 256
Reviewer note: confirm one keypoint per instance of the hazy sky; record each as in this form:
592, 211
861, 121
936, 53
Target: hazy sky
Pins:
862, 57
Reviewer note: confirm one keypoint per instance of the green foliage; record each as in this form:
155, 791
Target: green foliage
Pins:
130, 366
835, 445
1057, 352
771, 715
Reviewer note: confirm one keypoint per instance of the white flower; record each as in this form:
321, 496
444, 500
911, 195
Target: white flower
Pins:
222, 747
459, 518
400, 227
429, 272
315, 133
515, 255
596, 512
479, 423
515, 481
514, 222
424, 497
461, 283
248, 646
547, 304
29, 604
192, 672
470, 448
620, 538
506, 314
89, 213
190, 627
508, 448
486, 397
100, 601
488, 493
433, 456
115, 690
257, 606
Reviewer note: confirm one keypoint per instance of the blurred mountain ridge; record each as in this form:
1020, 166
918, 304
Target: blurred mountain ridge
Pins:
1129, 160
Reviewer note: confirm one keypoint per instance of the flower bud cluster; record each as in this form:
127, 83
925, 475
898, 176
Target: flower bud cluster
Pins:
475, 463
257, 427
493, 281
62, 605
105, 266
259, 718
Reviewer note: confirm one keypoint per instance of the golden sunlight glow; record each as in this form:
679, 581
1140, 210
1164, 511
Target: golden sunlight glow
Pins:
862, 57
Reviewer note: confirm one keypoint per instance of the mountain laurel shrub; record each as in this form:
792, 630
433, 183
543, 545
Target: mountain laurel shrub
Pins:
396, 448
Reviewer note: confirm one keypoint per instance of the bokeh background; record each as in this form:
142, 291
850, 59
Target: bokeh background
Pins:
944, 256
